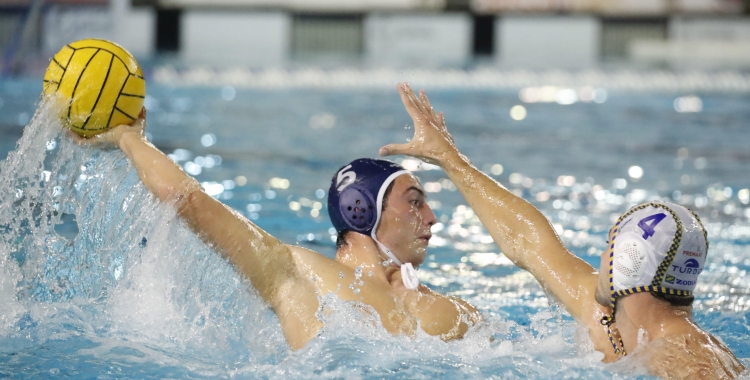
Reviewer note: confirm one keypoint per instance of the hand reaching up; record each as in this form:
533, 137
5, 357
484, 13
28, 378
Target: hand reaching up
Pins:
431, 142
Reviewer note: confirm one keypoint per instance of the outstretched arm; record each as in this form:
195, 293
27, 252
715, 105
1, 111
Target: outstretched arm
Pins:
523, 234
266, 262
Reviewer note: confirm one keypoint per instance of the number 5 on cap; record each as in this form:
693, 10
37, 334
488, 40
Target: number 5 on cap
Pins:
345, 178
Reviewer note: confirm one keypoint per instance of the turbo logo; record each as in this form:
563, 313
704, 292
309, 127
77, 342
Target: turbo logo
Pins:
691, 267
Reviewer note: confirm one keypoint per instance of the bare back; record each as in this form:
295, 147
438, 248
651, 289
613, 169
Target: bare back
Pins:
694, 355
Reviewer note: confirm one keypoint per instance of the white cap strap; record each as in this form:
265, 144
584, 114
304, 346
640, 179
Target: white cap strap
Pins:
408, 272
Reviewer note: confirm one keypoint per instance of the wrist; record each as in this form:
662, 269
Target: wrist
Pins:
126, 138
452, 160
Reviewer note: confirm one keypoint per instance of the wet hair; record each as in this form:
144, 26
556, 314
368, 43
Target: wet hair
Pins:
341, 237
675, 300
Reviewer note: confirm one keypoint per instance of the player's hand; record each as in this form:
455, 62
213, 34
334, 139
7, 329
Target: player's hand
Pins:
431, 142
112, 138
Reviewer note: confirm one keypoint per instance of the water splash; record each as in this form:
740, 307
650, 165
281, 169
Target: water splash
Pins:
87, 255
97, 277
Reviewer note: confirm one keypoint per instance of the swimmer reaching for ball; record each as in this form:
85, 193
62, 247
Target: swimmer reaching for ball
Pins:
394, 228
383, 221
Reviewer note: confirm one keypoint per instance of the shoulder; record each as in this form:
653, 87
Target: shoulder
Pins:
332, 276
311, 262
305, 254
693, 355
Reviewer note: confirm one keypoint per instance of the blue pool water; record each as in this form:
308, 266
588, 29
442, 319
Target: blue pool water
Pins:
97, 279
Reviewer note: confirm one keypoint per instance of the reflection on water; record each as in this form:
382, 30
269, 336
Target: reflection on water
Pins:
98, 278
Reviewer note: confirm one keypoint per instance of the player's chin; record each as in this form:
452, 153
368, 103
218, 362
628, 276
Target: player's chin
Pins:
420, 252
420, 245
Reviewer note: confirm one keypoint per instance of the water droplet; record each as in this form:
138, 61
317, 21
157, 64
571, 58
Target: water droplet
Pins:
208, 139
228, 93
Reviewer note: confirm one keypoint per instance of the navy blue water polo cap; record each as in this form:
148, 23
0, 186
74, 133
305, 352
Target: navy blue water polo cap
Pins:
356, 194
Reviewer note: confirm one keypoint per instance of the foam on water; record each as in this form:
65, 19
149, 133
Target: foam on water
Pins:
87, 255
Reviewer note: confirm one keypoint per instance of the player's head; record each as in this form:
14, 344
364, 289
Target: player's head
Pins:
654, 247
381, 199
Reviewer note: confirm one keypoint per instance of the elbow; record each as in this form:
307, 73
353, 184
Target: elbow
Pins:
163, 192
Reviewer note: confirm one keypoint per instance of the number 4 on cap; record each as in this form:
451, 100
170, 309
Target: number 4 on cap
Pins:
648, 224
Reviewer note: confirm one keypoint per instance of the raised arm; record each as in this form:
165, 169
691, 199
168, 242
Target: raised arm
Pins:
266, 262
523, 234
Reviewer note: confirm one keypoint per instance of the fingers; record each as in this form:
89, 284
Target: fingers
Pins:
417, 109
142, 115
418, 101
426, 103
78, 139
393, 149
407, 97
418, 106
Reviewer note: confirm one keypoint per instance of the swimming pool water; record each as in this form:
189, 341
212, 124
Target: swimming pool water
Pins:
99, 280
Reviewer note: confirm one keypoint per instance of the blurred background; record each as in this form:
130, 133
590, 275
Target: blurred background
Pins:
568, 34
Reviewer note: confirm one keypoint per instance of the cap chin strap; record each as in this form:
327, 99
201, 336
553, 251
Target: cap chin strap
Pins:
608, 320
408, 272
618, 346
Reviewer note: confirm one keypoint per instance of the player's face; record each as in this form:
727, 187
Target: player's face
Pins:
602, 288
406, 221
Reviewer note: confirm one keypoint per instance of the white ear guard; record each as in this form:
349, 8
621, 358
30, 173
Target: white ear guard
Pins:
630, 256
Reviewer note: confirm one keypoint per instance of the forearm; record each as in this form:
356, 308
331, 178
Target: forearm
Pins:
524, 235
164, 178
250, 249
516, 226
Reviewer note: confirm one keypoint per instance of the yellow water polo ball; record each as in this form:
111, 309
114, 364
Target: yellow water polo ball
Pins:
98, 83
